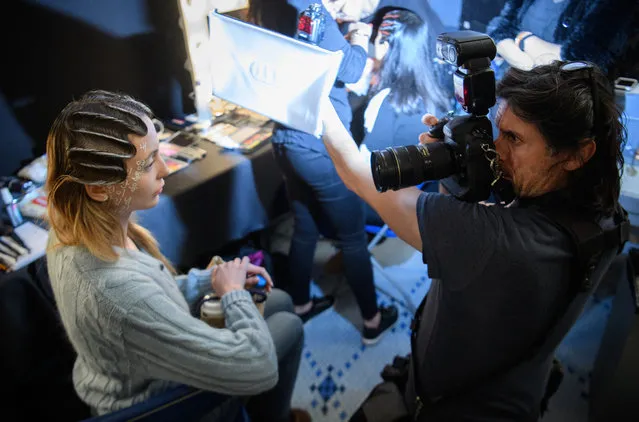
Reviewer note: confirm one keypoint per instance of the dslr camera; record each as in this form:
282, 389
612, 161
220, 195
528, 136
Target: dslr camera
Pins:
465, 160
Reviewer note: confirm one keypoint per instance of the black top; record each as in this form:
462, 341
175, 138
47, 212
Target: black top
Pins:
500, 278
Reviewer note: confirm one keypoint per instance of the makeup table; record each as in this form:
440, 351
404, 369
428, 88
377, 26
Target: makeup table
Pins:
222, 198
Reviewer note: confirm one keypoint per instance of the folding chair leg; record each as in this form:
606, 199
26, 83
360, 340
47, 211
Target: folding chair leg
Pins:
378, 237
407, 299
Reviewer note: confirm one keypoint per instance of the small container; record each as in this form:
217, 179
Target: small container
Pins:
211, 311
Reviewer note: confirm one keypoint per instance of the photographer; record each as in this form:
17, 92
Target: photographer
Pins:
502, 275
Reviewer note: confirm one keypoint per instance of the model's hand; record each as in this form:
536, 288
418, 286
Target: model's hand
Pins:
252, 279
229, 276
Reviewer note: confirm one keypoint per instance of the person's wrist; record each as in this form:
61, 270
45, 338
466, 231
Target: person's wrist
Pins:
520, 40
228, 289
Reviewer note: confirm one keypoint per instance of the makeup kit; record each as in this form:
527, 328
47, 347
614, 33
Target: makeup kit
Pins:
12, 247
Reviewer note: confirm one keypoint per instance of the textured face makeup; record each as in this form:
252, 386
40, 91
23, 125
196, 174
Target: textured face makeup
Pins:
145, 173
121, 193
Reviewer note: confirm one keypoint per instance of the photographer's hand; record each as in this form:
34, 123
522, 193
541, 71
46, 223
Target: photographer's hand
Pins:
426, 137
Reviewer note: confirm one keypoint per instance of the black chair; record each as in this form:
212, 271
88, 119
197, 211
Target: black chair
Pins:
36, 358
183, 404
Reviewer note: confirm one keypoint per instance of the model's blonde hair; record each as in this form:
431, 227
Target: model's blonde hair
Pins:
88, 145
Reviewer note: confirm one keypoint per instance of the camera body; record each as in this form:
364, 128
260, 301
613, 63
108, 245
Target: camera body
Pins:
469, 137
465, 159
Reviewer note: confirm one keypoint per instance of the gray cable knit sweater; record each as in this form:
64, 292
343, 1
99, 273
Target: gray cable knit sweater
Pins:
130, 324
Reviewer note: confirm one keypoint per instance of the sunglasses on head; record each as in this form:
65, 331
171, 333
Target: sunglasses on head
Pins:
580, 66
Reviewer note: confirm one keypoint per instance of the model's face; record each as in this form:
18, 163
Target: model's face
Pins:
526, 159
145, 174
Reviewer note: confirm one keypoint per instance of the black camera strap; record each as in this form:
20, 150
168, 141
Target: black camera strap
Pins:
590, 242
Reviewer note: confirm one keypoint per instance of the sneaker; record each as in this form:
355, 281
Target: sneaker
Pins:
388, 318
320, 304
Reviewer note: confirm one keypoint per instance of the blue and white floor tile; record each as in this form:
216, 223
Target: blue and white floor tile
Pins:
337, 372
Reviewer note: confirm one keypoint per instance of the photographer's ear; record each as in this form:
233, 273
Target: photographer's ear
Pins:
97, 193
587, 149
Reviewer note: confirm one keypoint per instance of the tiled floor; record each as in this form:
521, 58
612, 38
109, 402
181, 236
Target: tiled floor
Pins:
337, 372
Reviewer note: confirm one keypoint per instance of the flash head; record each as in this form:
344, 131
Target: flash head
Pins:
462, 47
463, 160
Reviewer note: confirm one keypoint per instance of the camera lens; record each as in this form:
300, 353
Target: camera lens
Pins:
385, 169
396, 168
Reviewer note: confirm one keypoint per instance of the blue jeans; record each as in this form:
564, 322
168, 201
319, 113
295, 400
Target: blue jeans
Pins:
321, 204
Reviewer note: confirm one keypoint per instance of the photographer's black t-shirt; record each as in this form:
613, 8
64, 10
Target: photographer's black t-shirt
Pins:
500, 277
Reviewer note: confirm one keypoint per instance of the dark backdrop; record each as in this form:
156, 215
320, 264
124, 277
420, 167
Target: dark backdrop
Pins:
55, 50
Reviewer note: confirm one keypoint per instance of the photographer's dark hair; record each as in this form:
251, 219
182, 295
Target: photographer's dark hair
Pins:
408, 68
560, 104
